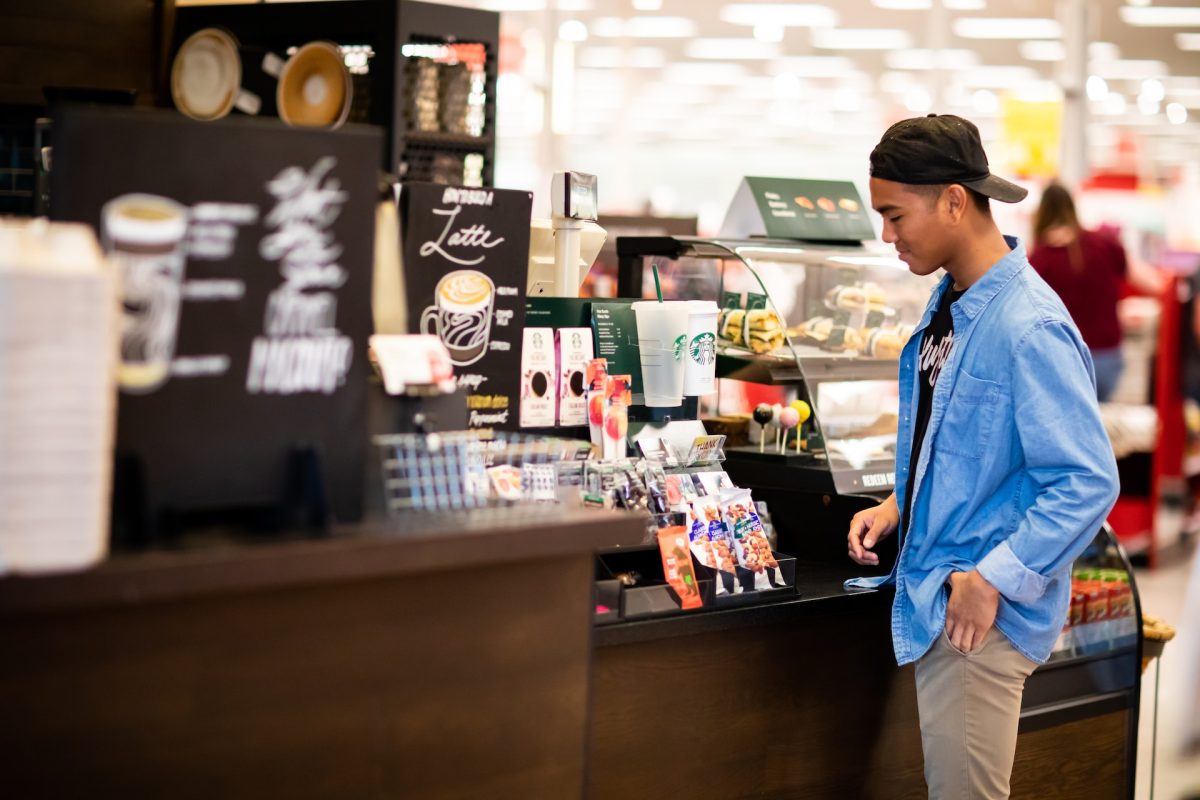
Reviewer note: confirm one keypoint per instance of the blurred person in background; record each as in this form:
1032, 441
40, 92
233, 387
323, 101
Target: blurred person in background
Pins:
1086, 269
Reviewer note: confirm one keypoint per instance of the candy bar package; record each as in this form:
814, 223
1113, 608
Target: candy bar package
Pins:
707, 513
749, 540
539, 482
677, 566
506, 481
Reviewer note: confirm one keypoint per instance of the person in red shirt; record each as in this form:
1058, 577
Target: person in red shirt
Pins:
1086, 269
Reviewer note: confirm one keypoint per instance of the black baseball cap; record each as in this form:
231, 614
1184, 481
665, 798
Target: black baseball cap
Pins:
939, 148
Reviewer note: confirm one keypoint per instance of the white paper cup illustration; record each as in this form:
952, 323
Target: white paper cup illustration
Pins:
662, 340
462, 314
700, 359
143, 235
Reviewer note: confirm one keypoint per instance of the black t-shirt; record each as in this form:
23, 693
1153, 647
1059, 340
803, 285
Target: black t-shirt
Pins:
934, 352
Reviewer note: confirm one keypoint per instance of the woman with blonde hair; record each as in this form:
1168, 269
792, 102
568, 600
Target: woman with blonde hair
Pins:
1086, 269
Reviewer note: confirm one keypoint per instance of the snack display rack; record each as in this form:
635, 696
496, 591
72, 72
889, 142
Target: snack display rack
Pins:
473, 469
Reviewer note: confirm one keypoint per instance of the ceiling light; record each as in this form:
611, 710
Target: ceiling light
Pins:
860, 39
1097, 88
573, 30
727, 49
789, 85
965, 5
1154, 89
645, 27
1103, 51
1176, 113
1161, 16
616, 57
1007, 28
1187, 41
997, 77
1114, 104
922, 59
574, 5
984, 101
513, 5
1039, 92
847, 99
1148, 105
903, 5
815, 66
918, 100
1129, 68
647, 5
768, 32
704, 73
790, 15
1042, 50
1139, 2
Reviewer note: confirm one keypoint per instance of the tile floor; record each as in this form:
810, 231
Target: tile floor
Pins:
1164, 593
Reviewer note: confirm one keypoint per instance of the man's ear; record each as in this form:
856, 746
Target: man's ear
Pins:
956, 200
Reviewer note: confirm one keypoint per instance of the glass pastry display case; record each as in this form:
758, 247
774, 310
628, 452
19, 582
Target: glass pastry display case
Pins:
828, 321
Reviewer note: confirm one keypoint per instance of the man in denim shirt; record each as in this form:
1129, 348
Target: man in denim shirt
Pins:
1003, 469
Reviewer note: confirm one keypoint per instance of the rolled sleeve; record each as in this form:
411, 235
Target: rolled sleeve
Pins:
1067, 456
1017, 582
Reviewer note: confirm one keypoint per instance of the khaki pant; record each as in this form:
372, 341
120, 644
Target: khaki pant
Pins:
969, 706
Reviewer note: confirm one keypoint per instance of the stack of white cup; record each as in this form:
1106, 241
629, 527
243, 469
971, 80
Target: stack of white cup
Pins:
677, 341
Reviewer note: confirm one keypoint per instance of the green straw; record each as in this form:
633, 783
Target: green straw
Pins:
657, 285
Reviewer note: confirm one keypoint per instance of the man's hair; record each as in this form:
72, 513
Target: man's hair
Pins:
931, 192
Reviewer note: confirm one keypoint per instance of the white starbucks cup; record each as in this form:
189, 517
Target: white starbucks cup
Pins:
700, 355
662, 339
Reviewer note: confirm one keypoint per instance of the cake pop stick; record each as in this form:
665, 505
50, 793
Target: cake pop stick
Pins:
789, 418
762, 415
804, 411
776, 410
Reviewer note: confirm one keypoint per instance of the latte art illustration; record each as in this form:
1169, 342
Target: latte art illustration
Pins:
462, 315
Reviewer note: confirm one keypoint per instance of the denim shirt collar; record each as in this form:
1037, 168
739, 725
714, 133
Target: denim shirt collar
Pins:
977, 297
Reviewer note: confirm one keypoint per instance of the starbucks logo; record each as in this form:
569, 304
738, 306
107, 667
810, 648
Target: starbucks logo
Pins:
680, 344
704, 349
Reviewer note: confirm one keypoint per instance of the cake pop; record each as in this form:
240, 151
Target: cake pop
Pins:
789, 418
762, 415
804, 411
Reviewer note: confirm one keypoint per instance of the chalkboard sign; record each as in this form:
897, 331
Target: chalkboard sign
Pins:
466, 254
245, 249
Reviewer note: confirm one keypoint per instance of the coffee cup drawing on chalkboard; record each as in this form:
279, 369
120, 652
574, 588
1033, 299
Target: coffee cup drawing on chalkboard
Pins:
461, 315
143, 236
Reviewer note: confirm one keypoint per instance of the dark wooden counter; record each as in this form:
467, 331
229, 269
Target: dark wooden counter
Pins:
443, 657
802, 699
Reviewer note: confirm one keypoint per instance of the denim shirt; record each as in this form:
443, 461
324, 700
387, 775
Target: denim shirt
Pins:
1015, 474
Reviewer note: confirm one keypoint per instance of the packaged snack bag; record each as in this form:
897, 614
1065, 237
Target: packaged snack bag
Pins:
677, 566
707, 515
749, 540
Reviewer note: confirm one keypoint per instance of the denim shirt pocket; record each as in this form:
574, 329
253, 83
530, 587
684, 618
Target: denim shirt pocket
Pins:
966, 428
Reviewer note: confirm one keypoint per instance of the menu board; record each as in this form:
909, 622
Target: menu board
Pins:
466, 255
792, 208
245, 253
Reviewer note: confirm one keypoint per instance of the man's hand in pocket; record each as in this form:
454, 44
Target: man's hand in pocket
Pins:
971, 611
